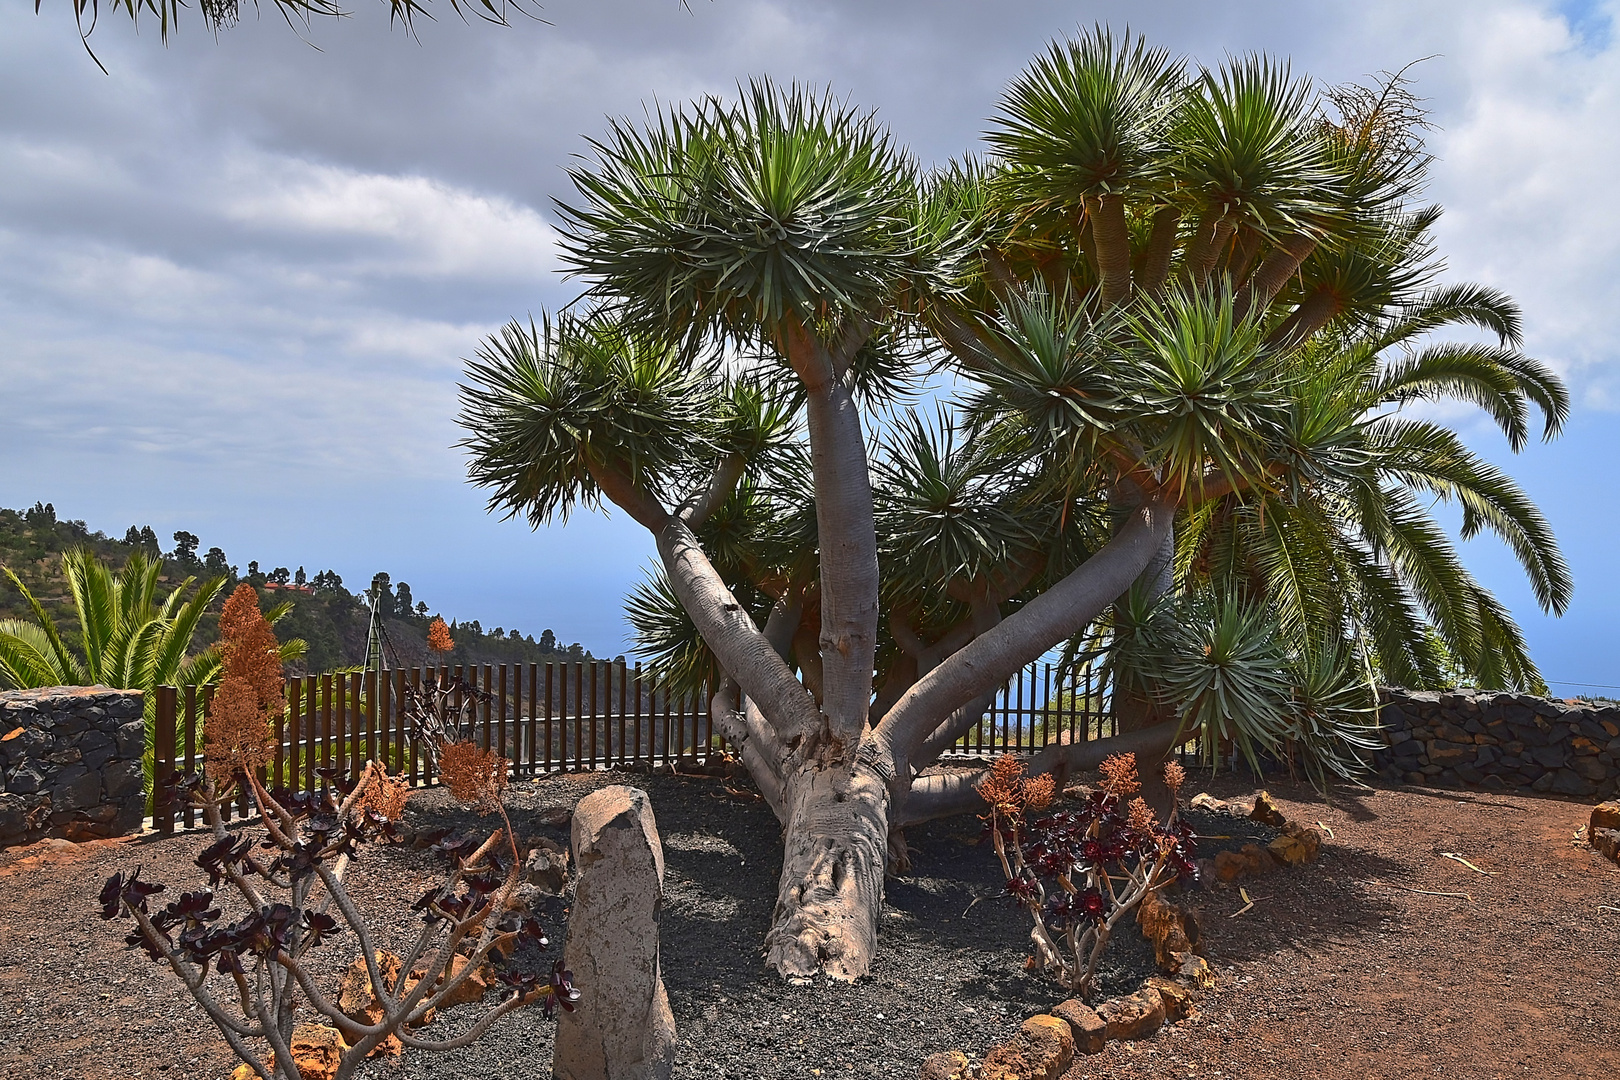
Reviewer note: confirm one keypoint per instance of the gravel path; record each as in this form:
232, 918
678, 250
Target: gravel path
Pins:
1329, 975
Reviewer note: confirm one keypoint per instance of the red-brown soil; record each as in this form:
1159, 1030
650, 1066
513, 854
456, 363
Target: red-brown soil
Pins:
1334, 973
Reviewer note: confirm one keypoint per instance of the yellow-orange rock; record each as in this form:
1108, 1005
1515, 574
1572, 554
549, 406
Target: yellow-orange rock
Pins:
317, 1051
1266, 811
1229, 866
1043, 1049
355, 997
1194, 971
1298, 845
1256, 860
470, 990
1090, 1031
1605, 816
1178, 999
1134, 1017
1165, 926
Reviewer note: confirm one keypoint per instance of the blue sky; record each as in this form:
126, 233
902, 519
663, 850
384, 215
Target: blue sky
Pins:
237, 277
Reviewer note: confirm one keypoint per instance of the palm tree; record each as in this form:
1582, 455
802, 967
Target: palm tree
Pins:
1343, 539
128, 638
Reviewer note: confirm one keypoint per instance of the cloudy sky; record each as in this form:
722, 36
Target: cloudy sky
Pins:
237, 276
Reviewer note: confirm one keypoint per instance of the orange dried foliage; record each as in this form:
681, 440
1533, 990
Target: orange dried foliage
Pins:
383, 793
1010, 793
1174, 777
236, 731
1119, 775
439, 636
1004, 786
473, 774
1038, 791
1140, 817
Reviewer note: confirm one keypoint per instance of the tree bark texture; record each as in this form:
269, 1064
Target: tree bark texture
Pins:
830, 895
1113, 247
847, 535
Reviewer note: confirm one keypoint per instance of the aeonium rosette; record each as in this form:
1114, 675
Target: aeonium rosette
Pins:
1078, 871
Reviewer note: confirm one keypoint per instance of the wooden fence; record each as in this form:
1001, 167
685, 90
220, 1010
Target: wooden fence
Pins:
548, 718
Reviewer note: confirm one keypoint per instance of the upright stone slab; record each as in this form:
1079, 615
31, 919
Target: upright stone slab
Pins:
622, 1028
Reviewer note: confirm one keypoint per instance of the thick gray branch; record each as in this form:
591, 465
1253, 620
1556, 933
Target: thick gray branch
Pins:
1063, 610
847, 534
745, 653
696, 509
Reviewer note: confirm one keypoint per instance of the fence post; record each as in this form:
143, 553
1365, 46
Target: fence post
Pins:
188, 740
636, 755
579, 714
551, 668
500, 717
163, 760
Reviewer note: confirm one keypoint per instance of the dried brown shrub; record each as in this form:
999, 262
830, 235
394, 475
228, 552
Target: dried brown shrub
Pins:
1039, 791
236, 730
1140, 817
439, 636
1010, 793
1003, 788
1119, 775
1174, 777
384, 794
474, 775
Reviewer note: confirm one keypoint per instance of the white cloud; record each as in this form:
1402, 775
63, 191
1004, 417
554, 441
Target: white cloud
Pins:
421, 226
1528, 161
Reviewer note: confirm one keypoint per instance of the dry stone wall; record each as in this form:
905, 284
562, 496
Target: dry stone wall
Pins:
1504, 741
70, 758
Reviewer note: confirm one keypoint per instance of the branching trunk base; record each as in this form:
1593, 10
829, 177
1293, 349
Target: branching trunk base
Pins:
831, 891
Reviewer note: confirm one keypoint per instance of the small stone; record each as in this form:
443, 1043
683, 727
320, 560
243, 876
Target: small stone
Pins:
355, 996
557, 817
1043, 1049
1569, 782
1178, 999
1256, 859
1164, 925
1134, 1017
26, 780
123, 778
1229, 866
547, 867
1299, 844
1194, 972
1205, 801
131, 739
469, 990
1090, 1031
948, 1065
1266, 811
317, 1051
78, 792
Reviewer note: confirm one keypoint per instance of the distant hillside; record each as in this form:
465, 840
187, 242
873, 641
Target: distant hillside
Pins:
325, 613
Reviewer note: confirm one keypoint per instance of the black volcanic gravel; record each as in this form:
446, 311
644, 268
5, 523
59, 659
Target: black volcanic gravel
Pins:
948, 973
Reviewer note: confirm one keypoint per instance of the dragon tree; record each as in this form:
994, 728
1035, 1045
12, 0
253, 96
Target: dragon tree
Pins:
898, 432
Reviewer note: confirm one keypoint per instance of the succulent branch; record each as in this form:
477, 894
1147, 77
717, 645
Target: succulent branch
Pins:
1079, 872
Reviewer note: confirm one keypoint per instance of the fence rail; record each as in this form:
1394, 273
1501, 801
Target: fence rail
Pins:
549, 718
